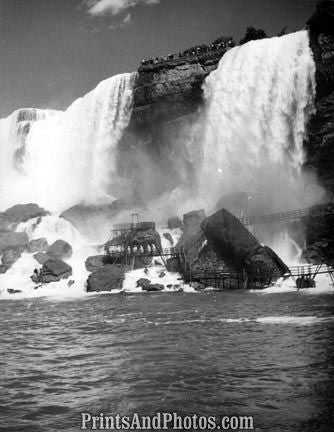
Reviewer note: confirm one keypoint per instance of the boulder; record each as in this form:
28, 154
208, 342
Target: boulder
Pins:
232, 242
162, 274
153, 288
60, 249
41, 257
191, 225
107, 278
13, 291
174, 222
143, 283
192, 220
12, 240
169, 237
93, 263
81, 216
23, 212
10, 256
3, 269
38, 245
54, 270
7, 223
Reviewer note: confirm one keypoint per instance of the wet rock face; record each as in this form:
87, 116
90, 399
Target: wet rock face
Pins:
236, 246
108, 278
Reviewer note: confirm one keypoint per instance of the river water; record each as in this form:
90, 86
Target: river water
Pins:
270, 356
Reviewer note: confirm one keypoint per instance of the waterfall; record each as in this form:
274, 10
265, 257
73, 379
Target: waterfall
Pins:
258, 103
59, 159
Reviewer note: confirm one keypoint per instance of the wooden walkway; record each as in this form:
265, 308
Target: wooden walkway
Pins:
293, 215
255, 278
188, 252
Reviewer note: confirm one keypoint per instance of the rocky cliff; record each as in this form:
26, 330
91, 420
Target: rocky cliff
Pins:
169, 90
320, 144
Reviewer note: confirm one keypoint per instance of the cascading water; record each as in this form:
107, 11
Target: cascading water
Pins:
59, 159
68, 157
251, 136
258, 104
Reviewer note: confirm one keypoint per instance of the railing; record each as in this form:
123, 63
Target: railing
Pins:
154, 252
131, 226
306, 270
314, 211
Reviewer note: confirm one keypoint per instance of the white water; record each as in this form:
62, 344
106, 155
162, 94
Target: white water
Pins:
69, 157
258, 103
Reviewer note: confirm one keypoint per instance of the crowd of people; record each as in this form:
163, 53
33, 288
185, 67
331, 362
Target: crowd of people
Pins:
202, 49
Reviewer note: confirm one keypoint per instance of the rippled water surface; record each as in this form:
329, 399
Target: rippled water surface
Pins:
215, 353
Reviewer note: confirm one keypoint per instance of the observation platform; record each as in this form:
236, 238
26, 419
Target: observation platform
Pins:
139, 240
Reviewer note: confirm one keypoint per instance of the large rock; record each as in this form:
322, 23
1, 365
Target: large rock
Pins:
7, 223
38, 245
10, 256
23, 212
3, 268
192, 223
143, 283
191, 226
93, 263
174, 222
12, 240
81, 216
232, 242
60, 249
41, 257
154, 288
108, 278
54, 270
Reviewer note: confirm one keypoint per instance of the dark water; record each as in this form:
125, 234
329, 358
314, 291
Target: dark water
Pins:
184, 353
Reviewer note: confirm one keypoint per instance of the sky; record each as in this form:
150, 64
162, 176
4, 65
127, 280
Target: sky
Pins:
54, 51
